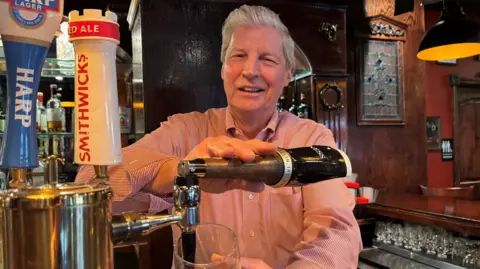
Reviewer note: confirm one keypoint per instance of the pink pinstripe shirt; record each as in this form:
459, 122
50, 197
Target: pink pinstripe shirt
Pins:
291, 227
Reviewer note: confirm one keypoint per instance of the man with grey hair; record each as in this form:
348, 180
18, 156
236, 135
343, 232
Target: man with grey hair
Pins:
290, 227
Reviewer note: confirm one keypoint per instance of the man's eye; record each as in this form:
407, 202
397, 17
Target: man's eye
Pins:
270, 60
238, 56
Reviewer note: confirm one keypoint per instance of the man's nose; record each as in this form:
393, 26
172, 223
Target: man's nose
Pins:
251, 68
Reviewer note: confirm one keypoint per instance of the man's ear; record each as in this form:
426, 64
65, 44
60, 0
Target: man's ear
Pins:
288, 76
221, 72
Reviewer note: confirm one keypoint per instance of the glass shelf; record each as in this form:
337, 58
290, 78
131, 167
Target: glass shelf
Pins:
55, 134
51, 68
50, 134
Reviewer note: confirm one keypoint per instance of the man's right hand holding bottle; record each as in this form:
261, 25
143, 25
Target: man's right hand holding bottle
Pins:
223, 147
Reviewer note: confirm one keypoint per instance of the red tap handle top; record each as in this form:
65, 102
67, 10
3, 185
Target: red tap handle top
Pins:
94, 29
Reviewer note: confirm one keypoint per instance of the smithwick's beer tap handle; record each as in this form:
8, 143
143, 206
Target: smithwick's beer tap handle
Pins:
288, 167
97, 137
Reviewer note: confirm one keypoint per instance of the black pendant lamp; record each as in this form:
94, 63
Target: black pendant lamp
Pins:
453, 37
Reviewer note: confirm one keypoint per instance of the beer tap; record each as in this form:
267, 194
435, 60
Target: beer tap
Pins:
50, 170
129, 227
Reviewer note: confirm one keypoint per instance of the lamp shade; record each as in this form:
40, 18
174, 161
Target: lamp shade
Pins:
453, 37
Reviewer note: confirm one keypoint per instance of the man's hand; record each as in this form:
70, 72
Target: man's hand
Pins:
227, 147
245, 263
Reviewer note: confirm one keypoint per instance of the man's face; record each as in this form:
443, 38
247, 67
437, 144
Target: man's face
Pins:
254, 72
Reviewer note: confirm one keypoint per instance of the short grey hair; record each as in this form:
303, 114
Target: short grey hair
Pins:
257, 16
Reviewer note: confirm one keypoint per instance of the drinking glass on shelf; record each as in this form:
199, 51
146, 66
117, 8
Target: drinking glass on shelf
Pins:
397, 234
459, 249
443, 247
215, 247
431, 240
380, 230
415, 244
408, 236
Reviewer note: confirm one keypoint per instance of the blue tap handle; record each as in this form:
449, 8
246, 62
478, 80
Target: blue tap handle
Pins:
24, 65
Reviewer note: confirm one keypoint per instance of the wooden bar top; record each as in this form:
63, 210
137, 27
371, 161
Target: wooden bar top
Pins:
458, 215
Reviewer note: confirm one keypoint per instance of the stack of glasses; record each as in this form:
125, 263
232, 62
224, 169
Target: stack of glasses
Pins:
429, 241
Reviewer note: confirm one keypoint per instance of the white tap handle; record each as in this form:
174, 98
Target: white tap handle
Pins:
97, 125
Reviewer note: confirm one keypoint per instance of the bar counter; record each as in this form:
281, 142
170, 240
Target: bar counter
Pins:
457, 215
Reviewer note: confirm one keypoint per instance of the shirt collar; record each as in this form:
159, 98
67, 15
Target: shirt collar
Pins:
230, 127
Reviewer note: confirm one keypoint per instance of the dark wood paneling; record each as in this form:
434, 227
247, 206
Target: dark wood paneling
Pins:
303, 21
336, 119
392, 157
467, 151
181, 56
466, 128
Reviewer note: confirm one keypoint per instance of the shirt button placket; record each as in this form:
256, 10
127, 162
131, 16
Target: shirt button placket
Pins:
251, 222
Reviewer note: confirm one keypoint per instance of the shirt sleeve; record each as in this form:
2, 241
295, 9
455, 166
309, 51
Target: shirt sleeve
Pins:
141, 163
331, 236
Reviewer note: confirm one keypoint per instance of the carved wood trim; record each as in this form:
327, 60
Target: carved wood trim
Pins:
336, 118
465, 91
383, 28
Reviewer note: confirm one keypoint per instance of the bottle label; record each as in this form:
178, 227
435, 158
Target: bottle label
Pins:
54, 119
31, 13
43, 122
54, 114
93, 29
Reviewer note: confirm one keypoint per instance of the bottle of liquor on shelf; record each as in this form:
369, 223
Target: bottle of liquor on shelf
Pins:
293, 107
62, 112
54, 111
302, 110
41, 114
281, 104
